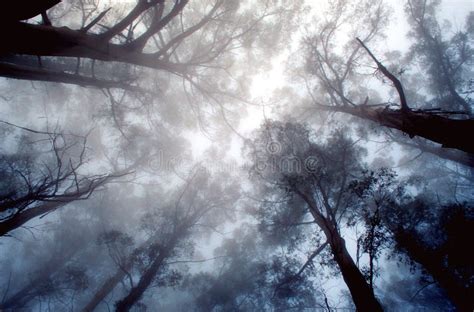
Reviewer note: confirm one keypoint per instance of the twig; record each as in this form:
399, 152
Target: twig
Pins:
95, 21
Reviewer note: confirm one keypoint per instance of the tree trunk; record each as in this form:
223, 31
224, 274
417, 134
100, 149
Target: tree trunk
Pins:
21, 72
103, 292
112, 281
21, 218
40, 40
462, 296
146, 279
22, 10
450, 133
21, 298
361, 293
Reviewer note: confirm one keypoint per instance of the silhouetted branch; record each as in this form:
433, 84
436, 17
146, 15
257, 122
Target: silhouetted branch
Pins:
389, 75
95, 21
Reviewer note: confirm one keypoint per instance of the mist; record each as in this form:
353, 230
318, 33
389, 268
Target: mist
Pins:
221, 155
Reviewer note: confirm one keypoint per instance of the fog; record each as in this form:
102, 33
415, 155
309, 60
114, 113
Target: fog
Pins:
221, 155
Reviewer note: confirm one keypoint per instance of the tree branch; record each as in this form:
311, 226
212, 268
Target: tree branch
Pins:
40, 74
389, 75
142, 6
95, 21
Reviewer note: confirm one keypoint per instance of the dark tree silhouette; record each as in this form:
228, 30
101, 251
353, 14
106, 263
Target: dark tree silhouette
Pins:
35, 186
429, 235
285, 156
176, 37
443, 121
435, 241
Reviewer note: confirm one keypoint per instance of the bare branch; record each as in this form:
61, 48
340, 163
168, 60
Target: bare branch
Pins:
40, 74
389, 75
95, 21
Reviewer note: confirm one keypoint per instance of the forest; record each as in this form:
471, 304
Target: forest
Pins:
237, 155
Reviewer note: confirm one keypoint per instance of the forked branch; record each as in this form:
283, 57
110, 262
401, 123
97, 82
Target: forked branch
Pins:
396, 83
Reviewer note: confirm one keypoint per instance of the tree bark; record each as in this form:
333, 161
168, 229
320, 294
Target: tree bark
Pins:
145, 280
450, 133
361, 292
39, 40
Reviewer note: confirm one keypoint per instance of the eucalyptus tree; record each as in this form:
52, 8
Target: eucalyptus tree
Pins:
172, 52
445, 54
291, 164
179, 37
343, 45
436, 242
43, 173
252, 276
170, 230
433, 239
430, 233
48, 269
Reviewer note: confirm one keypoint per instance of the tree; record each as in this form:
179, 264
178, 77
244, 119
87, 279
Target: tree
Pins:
177, 37
20, 11
252, 276
49, 269
170, 230
427, 233
435, 241
290, 162
35, 185
338, 76
445, 57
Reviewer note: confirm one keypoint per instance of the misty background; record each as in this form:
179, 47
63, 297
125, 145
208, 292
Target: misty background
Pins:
218, 155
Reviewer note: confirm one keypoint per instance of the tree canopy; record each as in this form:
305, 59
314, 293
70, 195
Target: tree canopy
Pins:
222, 155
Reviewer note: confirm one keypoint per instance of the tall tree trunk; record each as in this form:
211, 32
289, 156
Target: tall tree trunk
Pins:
462, 296
112, 281
17, 220
40, 40
450, 133
145, 280
103, 292
361, 292
21, 298
21, 218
